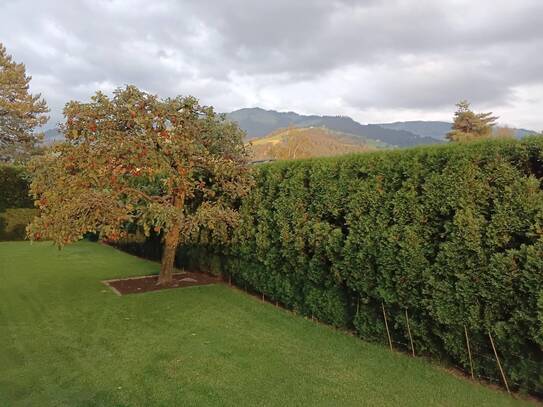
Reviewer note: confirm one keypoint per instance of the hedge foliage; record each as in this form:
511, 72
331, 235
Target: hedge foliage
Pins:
14, 185
15, 203
191, 257
453, 234
13, 223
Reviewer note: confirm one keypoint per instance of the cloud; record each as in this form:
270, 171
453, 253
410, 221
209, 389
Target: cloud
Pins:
373, 60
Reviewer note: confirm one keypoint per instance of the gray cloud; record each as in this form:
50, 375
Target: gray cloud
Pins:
373, 60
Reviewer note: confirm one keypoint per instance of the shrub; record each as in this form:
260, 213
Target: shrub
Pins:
13, 223
453, 234
14, 186
15, 203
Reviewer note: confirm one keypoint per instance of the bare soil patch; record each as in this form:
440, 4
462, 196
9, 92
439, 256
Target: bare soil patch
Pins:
144, 284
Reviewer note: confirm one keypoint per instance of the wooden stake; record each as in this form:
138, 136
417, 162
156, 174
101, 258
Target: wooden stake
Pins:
409, 332
386, 325
357, 306
469, 352
263, 300
498, 361
230, 280
277, 304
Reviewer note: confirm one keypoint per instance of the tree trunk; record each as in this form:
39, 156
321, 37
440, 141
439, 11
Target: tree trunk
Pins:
168, 256
171, 241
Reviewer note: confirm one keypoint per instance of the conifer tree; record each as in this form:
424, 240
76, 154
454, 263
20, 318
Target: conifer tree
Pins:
20, 111
468, 125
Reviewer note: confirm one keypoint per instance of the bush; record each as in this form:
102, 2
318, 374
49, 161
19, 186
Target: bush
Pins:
453, 234
14, 187
15, 203
13, 223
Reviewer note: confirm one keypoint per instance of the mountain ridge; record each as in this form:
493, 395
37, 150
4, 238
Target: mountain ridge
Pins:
438, 129
258, 122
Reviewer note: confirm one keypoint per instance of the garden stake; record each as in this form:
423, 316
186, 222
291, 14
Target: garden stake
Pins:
230, 280
469, 352
263, 300
277, 304
386, 325
409, 332
357, 306
498, 361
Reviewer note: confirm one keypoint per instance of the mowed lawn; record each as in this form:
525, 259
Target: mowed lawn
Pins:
67, 340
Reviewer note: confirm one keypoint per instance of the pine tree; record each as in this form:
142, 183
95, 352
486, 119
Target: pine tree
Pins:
20, 111
468, 125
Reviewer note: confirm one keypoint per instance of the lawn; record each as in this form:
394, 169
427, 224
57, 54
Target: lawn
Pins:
67, 340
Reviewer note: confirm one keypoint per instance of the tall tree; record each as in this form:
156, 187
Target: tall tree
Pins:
20, 111
170, 165
468, 125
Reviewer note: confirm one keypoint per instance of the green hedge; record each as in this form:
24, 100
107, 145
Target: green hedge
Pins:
15, 203
14, 186
194, 257
453, 234
13, 223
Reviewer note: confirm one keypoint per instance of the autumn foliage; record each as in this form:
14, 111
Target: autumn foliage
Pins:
170, 165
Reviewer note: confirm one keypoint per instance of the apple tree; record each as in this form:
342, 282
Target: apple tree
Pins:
168, 165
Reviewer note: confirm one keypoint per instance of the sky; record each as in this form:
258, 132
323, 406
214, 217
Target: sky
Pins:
376, 61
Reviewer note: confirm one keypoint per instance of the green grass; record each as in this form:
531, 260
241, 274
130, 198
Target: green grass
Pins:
67, 340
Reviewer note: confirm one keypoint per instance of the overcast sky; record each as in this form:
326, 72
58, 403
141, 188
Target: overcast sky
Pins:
376, 61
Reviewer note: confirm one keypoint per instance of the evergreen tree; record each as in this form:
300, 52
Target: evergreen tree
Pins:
468, 125
20, 111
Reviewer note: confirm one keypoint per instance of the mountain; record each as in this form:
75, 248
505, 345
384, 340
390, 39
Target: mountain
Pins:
436, 129
52, 135
258, 122
433, 129
519, 133
305, 142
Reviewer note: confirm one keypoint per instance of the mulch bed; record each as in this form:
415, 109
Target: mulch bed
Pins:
144, 284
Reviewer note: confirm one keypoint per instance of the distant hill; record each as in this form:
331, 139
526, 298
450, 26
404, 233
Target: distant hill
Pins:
436, 129
523, 132
52, 135
433, 129
258, 122
305, 142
